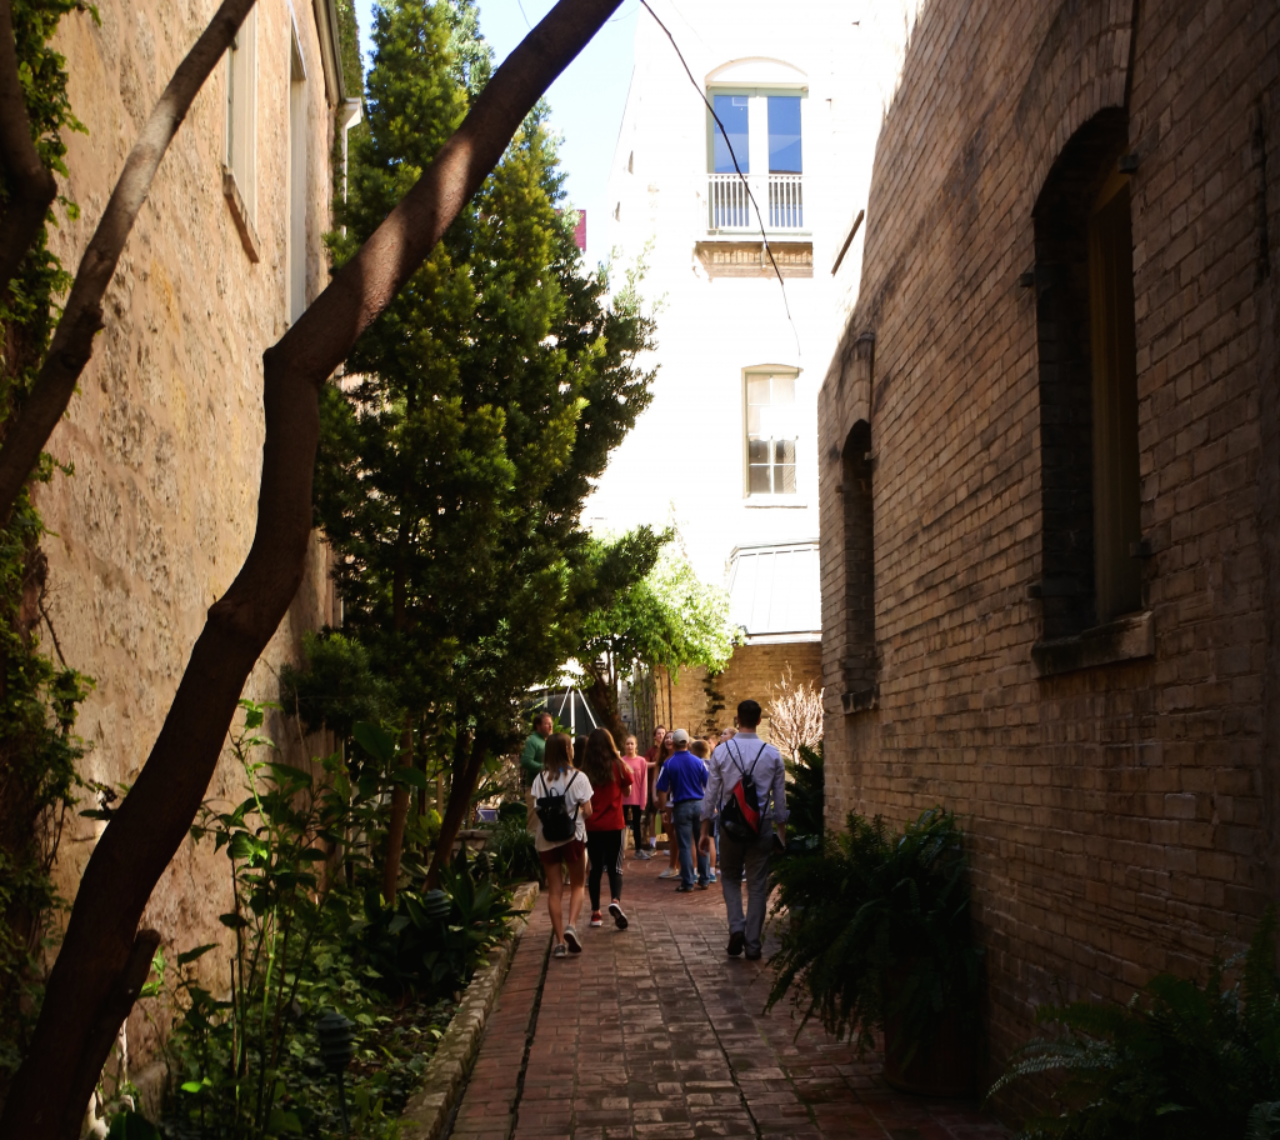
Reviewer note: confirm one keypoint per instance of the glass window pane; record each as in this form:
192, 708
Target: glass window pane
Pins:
753, 421
785, 478
758, 390
758, 450
784, 390
784, 135
732, 112
784, 451
759, 481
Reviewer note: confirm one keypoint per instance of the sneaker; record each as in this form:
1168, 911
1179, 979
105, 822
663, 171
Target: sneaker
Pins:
737, 943
668, 873
753, 955
643, 855
596, 919
683, 889
711, 876
559, 950
619, 919
571, 939
702, 886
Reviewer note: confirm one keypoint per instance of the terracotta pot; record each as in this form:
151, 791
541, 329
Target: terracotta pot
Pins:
942, 1066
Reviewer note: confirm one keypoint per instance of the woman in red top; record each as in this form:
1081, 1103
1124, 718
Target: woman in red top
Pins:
610, 781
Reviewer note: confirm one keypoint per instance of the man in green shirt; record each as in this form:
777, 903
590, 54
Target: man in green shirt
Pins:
531, 757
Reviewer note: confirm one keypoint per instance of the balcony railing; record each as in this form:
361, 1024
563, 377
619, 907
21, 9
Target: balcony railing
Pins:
727, 207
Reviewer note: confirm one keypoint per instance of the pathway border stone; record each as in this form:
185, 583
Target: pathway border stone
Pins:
427, 1113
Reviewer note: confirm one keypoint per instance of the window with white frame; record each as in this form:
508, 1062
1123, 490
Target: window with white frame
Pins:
242, 81
771, 422
763, 130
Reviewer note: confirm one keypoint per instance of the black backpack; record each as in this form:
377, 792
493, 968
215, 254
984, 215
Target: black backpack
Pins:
558, 826
740, 814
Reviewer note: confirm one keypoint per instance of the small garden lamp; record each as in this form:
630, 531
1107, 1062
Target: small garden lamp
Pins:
337, 1047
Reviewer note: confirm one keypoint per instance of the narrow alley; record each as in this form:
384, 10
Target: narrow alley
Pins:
654, 1032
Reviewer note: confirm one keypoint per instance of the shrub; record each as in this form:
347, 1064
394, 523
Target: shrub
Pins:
511, 851
1178, 1062
879, 927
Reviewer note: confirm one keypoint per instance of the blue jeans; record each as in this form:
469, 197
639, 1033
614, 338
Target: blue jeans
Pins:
688, 822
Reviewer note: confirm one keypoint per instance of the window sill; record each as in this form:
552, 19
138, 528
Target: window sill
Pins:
1129, 638
240, 213
767, 502
860, 700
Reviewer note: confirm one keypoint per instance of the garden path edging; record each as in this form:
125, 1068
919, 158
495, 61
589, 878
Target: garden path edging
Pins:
428, 1110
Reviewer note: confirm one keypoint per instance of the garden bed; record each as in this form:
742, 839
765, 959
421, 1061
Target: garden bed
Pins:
427, 1112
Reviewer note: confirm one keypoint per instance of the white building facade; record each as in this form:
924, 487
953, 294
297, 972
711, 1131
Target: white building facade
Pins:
727, 452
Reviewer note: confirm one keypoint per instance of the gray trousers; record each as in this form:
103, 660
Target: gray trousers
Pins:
755, 856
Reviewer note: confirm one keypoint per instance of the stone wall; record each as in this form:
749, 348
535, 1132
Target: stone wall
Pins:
1121, 804
166, 432
754, 672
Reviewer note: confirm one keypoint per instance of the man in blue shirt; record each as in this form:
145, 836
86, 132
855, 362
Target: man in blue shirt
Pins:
683, 779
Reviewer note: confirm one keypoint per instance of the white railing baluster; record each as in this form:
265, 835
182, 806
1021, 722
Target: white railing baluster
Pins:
780, 196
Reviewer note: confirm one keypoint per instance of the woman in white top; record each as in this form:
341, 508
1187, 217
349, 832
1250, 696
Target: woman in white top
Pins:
560, 778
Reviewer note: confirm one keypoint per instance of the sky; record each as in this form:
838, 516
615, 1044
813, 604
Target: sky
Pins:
586, 101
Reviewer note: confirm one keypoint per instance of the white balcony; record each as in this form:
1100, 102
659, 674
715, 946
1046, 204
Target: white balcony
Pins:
726, 207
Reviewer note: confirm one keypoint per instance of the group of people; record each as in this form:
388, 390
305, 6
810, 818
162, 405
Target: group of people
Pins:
584, 795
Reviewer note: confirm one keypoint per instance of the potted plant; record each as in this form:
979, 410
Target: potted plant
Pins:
878, 939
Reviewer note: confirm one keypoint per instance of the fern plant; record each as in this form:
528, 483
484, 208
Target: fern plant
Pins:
878, 927
1180, 1061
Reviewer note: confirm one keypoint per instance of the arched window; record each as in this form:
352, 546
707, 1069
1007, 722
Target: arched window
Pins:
1088, 383
859, 664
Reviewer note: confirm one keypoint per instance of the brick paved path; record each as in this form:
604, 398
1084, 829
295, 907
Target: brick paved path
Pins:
653, 1032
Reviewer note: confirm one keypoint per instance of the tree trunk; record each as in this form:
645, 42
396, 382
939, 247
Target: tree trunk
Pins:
154, 818
466, 775
399, 817
604, 698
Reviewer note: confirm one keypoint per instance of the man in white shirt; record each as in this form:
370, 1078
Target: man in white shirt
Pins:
746, 755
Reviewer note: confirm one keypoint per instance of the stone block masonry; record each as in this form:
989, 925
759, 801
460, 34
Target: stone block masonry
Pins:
1118, 781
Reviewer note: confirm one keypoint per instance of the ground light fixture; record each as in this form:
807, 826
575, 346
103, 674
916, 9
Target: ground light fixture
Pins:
337, 1047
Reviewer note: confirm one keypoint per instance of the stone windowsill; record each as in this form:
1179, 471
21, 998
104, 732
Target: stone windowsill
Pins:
240, 212
1129, 638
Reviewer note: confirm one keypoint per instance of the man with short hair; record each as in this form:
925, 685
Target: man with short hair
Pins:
746, 756
681, 783
535, 746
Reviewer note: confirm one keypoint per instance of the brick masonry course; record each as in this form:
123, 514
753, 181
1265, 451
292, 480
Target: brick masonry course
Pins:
1121, 816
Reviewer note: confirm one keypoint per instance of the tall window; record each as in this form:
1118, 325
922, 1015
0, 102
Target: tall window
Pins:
766, 133
1088, 384
859, 663
297, 184
242, 80
771, 433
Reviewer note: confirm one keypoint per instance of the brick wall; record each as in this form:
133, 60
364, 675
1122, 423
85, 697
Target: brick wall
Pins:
1120, 813
753, 673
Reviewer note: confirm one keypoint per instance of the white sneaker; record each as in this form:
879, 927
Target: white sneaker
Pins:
643, 855
668, 873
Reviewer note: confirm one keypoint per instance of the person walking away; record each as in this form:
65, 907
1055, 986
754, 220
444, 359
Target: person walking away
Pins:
672, 870
702, 750
749, 762
560, 789
681, 782
652, 756
610, 782
636, 801
531, 755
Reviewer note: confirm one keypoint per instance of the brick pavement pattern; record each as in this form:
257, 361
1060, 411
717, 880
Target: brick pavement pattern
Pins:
653, 1032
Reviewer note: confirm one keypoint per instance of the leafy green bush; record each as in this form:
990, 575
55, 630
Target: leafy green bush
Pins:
511, 851
1179, 1062
878, 927
806, 782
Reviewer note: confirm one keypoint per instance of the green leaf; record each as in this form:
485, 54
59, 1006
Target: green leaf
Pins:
130, 1125
376, 741
280, 1120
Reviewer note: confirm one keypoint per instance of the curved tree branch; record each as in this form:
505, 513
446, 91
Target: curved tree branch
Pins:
153, 819
30, 183
82, 317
